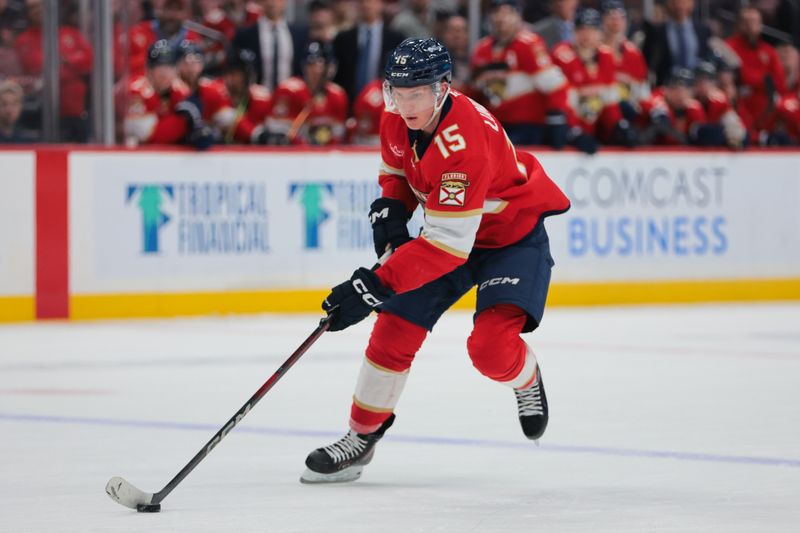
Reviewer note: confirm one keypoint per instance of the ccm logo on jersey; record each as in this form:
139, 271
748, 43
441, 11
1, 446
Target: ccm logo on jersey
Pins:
498, 281
453, 190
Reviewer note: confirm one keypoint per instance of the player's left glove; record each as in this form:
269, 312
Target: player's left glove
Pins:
352, 301
389, 219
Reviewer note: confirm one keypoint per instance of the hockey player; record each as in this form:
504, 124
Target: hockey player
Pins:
484, 207
761, 76
518, 82
312, 109
672, 114
251, 101
152, 114
167, 26
630, 69
593, 96
723, 126
364, 126
210, 97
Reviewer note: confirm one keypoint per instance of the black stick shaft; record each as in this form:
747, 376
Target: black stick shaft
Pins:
317, 333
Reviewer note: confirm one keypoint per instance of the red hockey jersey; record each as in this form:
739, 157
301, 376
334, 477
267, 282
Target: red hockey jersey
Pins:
518, 81
217, 108
251, 115
151, 117
593, 95
367, 112
754, 101
789, 116
476, 189
318, 120
630, 72
681, 120
75, 56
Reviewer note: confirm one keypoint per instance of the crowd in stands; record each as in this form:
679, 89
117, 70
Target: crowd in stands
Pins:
556, 73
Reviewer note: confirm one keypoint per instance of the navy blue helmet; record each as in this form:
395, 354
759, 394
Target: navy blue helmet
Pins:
587, 17
318, 51
189, 48
418, 62
161, 53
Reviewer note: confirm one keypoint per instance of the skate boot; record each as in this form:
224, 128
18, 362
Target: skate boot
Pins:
532, 407
344, 459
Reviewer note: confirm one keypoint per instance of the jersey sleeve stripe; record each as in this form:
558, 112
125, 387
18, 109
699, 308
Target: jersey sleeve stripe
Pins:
549, 79
388, 169
443, 247
494, 207
456, 234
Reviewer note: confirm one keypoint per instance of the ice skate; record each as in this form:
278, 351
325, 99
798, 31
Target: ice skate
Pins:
343, 460
532, 407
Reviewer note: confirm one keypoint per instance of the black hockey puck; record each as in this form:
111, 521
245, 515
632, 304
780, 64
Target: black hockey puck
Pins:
148, 507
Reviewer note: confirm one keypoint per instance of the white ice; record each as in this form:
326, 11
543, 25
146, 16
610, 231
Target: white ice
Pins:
682, 418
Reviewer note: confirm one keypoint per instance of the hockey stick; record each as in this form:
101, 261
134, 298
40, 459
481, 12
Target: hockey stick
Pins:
124, 493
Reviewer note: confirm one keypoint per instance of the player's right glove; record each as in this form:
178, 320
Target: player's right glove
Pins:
200, 135
389, 219
352, 301
582, 140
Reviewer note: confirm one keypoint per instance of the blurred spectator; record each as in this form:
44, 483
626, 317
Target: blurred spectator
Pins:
363, 127
630, 70
123, 14
152, 115
560, 25
593, 95
209, 96
672, 112
9, 62
761, 77
455, 36
75, 56
167, 26
273, 42
214, 17
321, 22
243, 13
416, 20
678, 42
723, 126
362, 51
10, 109
787, 124
517, 81
345, 14
311, 109
12, 16
251, 101
790, 61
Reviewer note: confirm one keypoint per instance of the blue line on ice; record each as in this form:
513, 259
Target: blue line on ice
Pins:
439, 441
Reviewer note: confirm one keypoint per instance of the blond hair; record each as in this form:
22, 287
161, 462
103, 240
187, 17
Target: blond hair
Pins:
12, 87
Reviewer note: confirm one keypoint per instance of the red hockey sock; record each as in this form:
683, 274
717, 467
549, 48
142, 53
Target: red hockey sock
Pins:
392, 346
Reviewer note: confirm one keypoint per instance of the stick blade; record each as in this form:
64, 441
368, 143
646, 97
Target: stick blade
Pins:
126, 494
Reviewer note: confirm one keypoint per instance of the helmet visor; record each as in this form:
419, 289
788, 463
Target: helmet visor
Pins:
412, 100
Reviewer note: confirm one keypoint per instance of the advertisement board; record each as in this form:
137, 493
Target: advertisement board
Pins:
270, 221
651, 216
17, 224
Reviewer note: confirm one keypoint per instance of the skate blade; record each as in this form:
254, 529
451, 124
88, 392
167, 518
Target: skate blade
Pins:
350, 473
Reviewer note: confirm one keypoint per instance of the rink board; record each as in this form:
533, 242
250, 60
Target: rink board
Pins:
165, 233
17, 226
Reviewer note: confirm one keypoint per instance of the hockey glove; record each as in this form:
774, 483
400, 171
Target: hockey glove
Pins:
582, 141
352, 301
389, 219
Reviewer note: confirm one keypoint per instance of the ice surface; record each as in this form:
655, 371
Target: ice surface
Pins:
683, 418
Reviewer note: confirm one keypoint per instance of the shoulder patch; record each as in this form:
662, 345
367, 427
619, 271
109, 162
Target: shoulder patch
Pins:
453, 190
